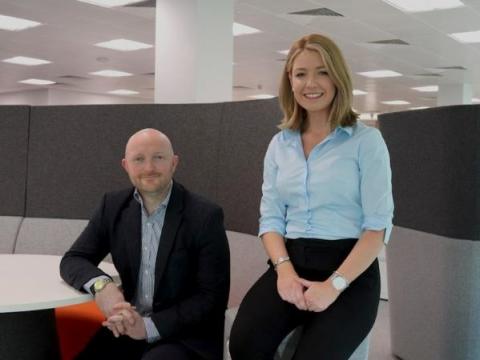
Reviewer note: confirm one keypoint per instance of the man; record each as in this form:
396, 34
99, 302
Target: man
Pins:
171, 251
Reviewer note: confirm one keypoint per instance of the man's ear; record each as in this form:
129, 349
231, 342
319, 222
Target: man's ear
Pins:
124, 165
175, 161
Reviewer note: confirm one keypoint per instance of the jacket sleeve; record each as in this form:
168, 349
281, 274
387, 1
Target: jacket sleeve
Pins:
79, 264
212, 282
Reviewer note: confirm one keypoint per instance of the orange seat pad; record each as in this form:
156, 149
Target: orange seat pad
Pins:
76, 324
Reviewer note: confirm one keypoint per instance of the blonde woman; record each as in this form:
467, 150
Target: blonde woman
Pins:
326, 213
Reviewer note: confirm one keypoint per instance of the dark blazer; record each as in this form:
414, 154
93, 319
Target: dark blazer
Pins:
192, 272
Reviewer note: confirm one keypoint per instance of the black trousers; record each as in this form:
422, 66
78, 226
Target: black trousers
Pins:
105, 346
264, 319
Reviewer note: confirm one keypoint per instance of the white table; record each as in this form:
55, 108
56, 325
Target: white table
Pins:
30, 290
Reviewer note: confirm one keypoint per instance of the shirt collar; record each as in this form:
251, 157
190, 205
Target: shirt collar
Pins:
293, 136
164, 203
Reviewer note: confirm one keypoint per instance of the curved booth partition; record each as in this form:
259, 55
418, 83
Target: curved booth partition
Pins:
433, 257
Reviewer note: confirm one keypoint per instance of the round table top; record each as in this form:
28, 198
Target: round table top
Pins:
33, 282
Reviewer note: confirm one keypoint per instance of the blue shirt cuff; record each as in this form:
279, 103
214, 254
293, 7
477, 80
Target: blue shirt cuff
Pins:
379, 223
152, 332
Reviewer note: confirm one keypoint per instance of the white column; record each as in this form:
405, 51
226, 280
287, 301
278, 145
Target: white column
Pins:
454, 94
194, 51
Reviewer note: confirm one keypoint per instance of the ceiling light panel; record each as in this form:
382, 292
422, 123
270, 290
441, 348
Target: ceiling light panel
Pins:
111, 73
395, 102
123, 92
262, 96
124, 45
110, 3
357, 92
379, 73
240, 29
24, 60
475, 100
467, 37
418, 108
424, 5
12, 23
430, 88
37, 82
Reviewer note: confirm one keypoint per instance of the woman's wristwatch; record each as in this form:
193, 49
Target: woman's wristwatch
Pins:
280, 260
339, 283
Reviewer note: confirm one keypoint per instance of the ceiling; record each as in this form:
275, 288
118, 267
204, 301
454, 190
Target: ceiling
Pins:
422, 50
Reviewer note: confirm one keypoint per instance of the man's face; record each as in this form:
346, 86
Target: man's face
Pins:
150, 162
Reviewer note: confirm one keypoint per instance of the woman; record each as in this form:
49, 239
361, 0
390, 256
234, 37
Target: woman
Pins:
326, 213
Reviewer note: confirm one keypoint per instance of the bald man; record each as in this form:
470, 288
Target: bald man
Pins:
171, 251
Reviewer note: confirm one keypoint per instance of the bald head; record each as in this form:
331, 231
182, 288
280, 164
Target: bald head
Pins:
148, 135
150, 163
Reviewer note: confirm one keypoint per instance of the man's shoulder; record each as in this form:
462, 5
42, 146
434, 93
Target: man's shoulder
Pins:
118, 198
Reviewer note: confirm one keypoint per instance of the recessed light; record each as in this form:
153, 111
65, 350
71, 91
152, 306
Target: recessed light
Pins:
123, 92
12, 23
37, 82
111, 73
240, 29
418, 108
124, 45
357, 92
110, 3
467, 37
395, 102
430, 88
424, 5
379, 73
283, 52
262, 96
24, 60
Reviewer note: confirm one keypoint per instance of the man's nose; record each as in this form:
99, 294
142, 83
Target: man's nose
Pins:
149, 166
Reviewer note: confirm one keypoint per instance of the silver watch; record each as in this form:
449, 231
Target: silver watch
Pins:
339, 282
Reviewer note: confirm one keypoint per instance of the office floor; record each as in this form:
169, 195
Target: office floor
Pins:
380, 347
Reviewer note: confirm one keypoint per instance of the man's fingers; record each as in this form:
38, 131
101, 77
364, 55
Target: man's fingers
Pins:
122, 305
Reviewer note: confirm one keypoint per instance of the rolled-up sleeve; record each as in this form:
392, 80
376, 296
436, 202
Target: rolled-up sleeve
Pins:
272, 209
376, 184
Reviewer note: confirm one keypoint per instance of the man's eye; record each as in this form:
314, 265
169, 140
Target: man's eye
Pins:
138, 160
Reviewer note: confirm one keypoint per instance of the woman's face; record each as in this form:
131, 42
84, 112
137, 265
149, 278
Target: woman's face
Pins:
312, 87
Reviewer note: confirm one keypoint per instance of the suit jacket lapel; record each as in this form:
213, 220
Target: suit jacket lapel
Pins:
173, 217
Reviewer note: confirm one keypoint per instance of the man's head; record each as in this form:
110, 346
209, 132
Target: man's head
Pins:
150, 162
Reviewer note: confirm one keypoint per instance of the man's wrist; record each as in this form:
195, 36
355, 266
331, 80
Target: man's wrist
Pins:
99, 285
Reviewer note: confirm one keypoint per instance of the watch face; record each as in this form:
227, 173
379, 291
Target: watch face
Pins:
339, 283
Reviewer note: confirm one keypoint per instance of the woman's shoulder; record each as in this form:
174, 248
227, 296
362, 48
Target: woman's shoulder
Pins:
285, 136
366, 133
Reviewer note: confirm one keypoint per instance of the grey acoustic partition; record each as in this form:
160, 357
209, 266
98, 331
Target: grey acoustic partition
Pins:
434, 254
14, 122
75, 152
247, 129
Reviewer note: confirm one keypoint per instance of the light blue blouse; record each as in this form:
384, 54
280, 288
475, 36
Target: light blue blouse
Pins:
343, 188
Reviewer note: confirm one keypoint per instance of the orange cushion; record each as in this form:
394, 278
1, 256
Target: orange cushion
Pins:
76, 324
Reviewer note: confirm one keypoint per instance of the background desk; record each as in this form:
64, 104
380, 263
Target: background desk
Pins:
30, 290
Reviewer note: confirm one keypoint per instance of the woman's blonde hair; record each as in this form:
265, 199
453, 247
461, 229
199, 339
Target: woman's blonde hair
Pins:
341, 112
